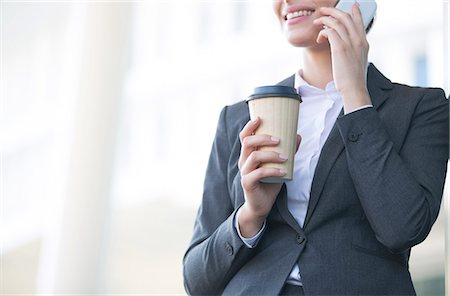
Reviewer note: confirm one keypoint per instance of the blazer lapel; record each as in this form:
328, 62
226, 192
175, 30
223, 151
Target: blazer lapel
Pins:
331, 150
290, 81
377, 85
282, 207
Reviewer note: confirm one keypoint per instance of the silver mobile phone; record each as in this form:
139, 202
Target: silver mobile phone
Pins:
368, 9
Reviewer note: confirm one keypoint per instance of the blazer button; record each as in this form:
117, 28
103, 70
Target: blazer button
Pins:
229, 249
353, 137
300, 239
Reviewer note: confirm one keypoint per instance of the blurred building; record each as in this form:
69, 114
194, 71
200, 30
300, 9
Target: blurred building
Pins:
185, 60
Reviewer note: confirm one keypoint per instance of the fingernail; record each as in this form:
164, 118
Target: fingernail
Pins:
282, 172
274, 139
357, 3
283, 157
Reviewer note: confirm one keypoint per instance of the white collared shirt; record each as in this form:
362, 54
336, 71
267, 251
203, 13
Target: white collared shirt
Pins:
317, 115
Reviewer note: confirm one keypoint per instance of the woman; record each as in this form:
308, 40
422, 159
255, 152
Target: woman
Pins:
368, 180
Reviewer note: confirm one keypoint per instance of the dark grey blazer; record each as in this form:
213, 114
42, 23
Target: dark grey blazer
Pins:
376, 193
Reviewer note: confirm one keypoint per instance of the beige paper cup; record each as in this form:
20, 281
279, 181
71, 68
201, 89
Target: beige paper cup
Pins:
277, 107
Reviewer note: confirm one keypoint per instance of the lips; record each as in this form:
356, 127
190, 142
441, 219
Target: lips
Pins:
297, 11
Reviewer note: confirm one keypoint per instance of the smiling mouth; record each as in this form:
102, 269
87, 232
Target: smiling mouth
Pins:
298, 13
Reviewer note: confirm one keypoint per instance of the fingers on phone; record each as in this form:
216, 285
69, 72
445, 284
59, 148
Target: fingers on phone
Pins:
357, 16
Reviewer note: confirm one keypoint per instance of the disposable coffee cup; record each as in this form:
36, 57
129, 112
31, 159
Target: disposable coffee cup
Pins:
277, 107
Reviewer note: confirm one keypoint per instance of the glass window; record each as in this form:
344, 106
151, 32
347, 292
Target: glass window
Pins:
421, 68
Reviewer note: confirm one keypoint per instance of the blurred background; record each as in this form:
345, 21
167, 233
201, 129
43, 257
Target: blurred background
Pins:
108, 112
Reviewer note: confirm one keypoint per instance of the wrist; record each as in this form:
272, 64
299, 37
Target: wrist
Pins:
355, 99
249, 222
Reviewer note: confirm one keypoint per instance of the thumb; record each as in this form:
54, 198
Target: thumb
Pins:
299, 140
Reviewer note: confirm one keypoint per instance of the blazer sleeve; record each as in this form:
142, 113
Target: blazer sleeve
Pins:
216, 252
400, 192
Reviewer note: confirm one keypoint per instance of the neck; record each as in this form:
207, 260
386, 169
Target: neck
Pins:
317, 69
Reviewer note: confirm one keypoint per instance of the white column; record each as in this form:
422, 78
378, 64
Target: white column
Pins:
446, 196
447, 47
81, 246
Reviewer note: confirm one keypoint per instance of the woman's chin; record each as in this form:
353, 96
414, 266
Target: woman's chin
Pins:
303, 41
300, 39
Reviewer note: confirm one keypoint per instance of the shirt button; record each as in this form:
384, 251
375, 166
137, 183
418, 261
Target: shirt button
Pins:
229, 249
353, 137
300, 239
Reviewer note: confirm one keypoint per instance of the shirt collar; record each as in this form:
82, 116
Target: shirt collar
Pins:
307, 90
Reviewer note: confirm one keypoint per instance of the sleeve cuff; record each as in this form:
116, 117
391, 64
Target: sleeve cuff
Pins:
360, 108
249, 242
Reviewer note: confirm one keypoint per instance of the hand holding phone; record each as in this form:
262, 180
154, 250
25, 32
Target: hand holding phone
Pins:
349, 49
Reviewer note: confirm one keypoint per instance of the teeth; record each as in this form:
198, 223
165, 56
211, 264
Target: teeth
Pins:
299, 13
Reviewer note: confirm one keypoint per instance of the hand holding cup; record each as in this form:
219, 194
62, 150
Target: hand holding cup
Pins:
259, 196
269, 142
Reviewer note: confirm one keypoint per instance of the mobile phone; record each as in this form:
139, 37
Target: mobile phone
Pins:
368, 9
